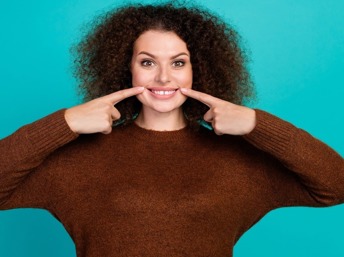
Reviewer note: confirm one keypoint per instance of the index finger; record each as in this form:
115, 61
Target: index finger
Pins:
118, 96
202, 97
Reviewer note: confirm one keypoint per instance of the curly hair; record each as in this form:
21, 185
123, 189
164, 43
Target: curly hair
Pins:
219, 68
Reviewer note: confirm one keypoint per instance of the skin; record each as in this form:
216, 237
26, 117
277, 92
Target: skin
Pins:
161, 62
162, 81
225, 117
98, 115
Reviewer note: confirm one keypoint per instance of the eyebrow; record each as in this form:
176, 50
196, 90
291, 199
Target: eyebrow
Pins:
153, 56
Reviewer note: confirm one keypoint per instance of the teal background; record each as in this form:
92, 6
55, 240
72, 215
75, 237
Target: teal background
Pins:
297, 52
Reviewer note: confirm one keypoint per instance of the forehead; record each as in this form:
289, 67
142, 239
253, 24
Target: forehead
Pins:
160, 41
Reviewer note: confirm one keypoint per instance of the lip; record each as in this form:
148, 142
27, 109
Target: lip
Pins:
163, 92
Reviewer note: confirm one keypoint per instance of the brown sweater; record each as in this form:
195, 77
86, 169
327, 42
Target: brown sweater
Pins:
137, 192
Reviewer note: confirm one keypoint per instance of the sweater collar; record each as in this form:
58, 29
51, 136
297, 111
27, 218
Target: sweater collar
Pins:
140, 133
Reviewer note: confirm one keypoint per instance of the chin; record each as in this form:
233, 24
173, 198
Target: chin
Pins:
161, 106
164, 108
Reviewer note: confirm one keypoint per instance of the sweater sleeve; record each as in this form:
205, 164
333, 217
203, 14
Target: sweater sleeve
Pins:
25, 150
319, 169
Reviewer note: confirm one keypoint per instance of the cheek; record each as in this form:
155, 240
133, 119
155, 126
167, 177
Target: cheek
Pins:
190, 79
140, 78
186, 79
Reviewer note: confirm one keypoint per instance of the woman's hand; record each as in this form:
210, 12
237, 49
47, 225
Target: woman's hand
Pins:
225, 117
98, 115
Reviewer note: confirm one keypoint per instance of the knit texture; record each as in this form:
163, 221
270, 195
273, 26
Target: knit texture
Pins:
137, 192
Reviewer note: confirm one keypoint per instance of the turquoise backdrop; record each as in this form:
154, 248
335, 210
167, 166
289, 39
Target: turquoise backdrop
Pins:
297, 52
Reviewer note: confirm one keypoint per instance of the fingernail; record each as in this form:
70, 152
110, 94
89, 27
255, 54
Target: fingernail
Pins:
140, 88
184, 90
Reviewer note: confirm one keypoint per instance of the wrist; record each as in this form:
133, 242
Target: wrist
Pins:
69, 119
251, 121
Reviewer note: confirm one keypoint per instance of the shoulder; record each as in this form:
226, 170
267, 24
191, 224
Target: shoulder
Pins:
92, 144
227, 144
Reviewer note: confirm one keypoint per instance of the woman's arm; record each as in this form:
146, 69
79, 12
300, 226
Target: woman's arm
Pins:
24, 150
27, 148
319, 168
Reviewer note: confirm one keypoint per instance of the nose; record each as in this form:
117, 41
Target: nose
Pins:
163, 75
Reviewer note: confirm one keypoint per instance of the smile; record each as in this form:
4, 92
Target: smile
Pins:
163, 92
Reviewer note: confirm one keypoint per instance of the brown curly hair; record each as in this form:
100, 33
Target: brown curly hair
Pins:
103, 56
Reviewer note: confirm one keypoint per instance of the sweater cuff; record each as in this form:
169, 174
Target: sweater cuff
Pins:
49, 133
271, 133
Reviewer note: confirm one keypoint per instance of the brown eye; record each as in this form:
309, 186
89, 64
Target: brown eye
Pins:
147, 63
178, 64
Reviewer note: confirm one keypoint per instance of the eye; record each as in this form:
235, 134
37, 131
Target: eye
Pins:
147, 63
178, 64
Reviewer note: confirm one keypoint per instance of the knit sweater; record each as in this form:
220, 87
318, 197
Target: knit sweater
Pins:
138, 192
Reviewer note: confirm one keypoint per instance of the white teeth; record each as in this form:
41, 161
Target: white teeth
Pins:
163, 92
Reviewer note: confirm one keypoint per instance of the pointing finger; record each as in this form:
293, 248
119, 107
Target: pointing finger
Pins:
202, 97
118, 96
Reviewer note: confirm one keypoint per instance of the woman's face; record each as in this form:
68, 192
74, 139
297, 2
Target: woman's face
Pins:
161, 64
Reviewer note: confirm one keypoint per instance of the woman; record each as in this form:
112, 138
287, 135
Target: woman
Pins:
159, 183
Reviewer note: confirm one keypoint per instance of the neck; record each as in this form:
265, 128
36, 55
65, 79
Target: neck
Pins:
157, 121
